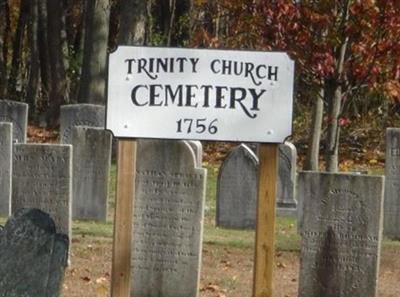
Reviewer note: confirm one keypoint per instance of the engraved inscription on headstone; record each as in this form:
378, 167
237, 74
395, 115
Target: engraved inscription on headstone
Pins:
237, 189
33, 256
42, 178
287, 176
17, 114
168, 220
5, 168
391, 226
341, 234
91, 168
80, 115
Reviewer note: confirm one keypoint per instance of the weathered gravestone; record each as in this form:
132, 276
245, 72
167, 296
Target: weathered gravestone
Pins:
198, 151
17, 114
168, 220
286, 202
42, 178
237, 189
33, 256
80, 115
91, 171
341, 234
391, 226
5, 168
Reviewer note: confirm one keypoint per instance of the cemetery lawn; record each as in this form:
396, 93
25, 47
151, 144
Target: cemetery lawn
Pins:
227, 260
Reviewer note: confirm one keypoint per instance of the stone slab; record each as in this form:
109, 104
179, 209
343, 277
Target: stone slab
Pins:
91, 172
287, 176
168, 220
341, 234
42, 178
391, 225
5, 168
198, 151
17, 114
237, 189
91, 115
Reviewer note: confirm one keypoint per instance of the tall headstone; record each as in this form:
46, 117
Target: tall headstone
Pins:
237, 189
286, 201
80, 115
341, 235
5, 168
91, 171
17, 114
33, 256
198, 151
168, 220
391, 226
42, 178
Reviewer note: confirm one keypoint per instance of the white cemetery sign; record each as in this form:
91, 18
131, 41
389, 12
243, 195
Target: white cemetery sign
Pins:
175, 93
198, 94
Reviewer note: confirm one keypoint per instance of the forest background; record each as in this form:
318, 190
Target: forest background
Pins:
347, 55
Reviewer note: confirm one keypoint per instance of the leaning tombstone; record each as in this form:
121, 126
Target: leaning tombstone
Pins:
80, 115
237, 189
341, 234
91, 171
286, 201
391, 225
5, 168
198, 151
42, 178
17, 114
33, 256
168, 220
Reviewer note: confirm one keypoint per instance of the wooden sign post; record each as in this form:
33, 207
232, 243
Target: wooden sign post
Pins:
265, 229
123, 219
171, 93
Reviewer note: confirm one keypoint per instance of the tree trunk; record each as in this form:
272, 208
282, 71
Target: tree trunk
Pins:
33, 83
183, 17
334, 97
332, 141
133, 20
4, 31
43, 50
58, 93
312, 158
93, 78
17, 50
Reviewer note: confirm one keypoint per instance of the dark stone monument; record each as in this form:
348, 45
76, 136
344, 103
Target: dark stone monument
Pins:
168, 220
341, 234
17, 114
91, 115
237, 189
33, 256
91, 171
5, 168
